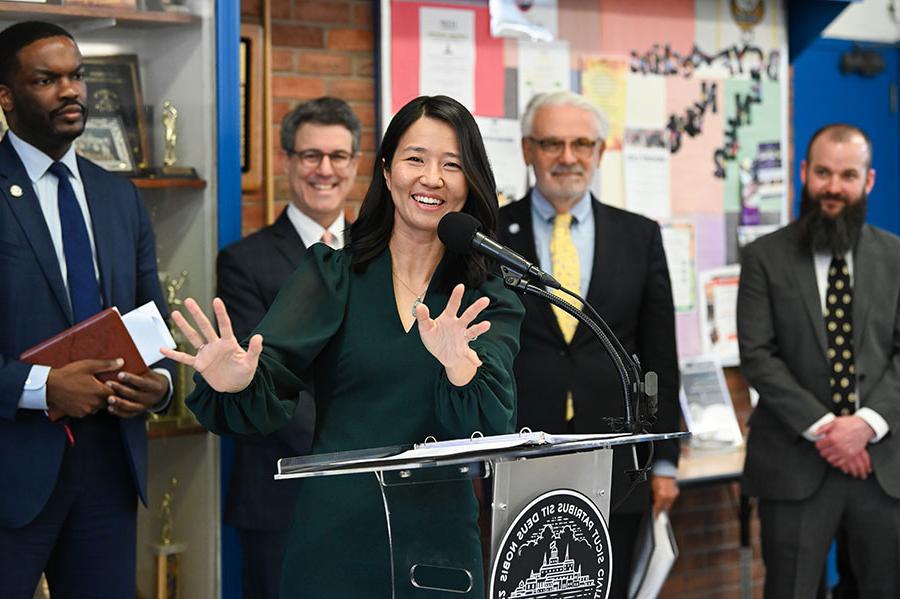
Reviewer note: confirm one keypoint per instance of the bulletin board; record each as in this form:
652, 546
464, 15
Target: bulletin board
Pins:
696, 93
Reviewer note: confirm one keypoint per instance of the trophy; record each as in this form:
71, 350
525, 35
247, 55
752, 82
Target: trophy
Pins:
170, 142
177, 415
166, 551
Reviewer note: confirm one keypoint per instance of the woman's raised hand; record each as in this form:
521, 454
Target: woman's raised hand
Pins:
222, 362
447, 337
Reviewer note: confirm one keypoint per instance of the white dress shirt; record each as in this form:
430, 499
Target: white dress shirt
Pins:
45, 185
311, 232
822, 260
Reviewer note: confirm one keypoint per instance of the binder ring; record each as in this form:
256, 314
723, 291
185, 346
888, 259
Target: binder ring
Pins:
525, 431
476, 435
429, 439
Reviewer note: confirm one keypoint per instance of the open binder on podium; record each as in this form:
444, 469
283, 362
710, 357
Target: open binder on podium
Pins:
549, 510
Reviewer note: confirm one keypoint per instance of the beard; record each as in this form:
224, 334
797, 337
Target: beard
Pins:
834, 235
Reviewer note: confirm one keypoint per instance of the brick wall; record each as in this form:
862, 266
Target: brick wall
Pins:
707, 530
327, 47
319, 47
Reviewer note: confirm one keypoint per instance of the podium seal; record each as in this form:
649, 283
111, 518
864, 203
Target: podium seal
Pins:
557, 546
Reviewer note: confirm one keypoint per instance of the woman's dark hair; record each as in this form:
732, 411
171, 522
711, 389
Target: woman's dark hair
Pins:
372, 230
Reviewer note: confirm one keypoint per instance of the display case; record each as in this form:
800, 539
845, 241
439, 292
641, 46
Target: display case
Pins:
176, 60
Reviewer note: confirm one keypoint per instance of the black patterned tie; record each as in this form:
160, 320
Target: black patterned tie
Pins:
839, 330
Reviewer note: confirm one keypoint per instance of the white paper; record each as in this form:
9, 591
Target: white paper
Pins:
543, 67
447, 54
645, 101
149, 332
657, 555
706, 404
718, 311
678, 242
646, 156
503, 143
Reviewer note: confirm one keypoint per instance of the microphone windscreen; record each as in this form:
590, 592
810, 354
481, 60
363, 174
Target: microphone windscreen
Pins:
457, 230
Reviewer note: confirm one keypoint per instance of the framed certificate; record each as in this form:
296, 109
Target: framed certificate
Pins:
251, 53
104, 142
114, 91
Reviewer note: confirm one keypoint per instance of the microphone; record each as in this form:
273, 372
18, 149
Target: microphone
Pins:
460, 233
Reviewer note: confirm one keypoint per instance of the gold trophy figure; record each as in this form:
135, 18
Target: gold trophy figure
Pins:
166, 551
170, 138
177, 415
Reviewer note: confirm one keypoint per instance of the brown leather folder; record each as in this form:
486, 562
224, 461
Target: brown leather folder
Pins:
103, 336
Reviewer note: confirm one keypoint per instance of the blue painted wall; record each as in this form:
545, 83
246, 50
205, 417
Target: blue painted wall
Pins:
822, 94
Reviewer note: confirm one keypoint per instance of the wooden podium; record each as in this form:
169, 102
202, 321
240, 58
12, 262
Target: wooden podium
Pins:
549, 513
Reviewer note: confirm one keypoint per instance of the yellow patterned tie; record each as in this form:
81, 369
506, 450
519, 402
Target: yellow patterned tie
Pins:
566, 270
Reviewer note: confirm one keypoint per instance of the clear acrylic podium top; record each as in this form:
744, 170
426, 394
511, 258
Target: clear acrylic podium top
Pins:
526, 471
430, 454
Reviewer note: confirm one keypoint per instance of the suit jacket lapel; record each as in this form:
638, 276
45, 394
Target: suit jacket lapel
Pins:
27, 210
805, 276
603, 268
522, 242
865, 261
102, 222
287, 240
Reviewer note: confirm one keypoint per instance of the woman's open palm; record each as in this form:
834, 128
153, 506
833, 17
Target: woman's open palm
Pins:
220, 360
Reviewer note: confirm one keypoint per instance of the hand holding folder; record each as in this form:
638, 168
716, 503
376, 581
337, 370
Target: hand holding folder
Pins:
105, 336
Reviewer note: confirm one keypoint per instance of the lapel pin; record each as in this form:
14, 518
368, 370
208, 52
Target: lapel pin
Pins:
514, 228
16, 191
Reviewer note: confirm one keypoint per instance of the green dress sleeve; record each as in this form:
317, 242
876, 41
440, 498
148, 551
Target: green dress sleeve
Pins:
488, 402
306, 314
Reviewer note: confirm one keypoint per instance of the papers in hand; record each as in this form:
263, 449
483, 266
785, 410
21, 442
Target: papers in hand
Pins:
656, 553
149, 332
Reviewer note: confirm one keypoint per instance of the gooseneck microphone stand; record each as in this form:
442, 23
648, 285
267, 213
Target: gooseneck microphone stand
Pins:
639, 393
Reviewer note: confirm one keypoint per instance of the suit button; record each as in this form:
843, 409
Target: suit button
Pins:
562, 353
862, 377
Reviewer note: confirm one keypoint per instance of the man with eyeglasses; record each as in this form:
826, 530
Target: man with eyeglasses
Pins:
320, 139
615, 259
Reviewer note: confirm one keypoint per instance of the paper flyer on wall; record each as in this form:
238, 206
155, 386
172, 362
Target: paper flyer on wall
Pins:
503, 143
646, 156
603, 82
447, 54
718, 313
543, 67
679, 242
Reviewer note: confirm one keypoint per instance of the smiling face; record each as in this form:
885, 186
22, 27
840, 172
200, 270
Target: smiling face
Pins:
425, 177
45, 103
320, 190
838, 173
563, 177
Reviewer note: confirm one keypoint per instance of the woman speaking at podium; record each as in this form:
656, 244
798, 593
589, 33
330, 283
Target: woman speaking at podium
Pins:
396, 338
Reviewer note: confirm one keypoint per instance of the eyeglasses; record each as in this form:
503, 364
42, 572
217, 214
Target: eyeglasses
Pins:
313, 158
551, 146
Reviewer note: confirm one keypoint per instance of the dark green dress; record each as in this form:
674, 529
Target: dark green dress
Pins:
338, 331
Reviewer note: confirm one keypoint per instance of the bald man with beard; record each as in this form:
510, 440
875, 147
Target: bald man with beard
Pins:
819, 332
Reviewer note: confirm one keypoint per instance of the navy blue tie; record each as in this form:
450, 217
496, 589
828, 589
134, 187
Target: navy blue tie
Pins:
83, 290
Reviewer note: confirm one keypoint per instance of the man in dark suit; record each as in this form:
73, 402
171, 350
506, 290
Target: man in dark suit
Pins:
74, 239
320, 139
819, 333
615, 259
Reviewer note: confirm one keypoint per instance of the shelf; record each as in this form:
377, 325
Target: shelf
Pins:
164, 431
123, 17
165, 183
